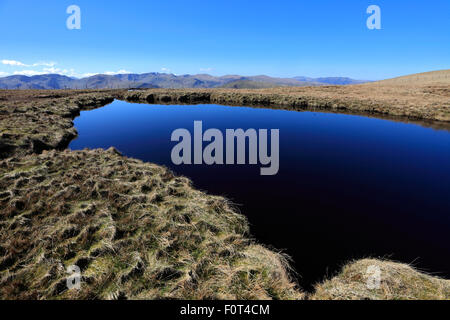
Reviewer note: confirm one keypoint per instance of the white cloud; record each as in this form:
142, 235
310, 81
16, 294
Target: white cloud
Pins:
87, 75
13, 63
3, 74
108, 73
45, 64
53, 70
111, 73
29, 73
16, 63
167, 70
65, 72
206, 69
49, 68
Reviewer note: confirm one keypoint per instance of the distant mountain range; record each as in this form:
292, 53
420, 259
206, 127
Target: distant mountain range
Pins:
163, 80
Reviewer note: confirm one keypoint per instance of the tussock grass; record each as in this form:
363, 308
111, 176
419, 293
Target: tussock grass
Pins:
135, 230
35, 120
139, 232
398, 282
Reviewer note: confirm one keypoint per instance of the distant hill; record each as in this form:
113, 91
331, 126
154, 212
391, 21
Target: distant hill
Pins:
331, 80
48, 81
440, 76
248, 84
161, 80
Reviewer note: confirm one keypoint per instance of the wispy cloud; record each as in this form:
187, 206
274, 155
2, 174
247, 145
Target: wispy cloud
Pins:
16, 63
206, 69
87, 75
167, 70
29, 73
13, 63
111, 73
64, 72
45, 64
108, 73
48, 68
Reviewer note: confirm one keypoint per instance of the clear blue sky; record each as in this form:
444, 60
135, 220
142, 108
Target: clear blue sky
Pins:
279, 38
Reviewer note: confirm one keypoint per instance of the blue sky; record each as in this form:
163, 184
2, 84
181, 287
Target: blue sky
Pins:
278, 38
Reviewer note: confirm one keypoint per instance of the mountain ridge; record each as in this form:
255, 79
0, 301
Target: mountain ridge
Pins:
163, 80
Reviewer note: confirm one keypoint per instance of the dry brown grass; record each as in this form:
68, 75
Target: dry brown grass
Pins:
135, 230
398, 282
139, 232
427, 102
32, 121
36, 120
441, 77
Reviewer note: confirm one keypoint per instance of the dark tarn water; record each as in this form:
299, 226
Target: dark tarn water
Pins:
348, 187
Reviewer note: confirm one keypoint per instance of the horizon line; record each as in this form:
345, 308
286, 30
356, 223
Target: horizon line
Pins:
185, 74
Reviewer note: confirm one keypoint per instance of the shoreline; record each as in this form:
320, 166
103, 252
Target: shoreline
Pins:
25, 129
35, 124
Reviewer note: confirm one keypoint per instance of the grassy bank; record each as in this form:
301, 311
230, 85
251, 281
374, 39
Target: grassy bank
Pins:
425, 102
139, 232
135, 230
398, 281
36, 120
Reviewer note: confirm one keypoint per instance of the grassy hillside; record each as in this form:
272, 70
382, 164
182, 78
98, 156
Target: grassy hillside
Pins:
248, 84
433, 77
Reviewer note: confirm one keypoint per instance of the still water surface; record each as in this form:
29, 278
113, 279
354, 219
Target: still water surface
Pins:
348, 186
